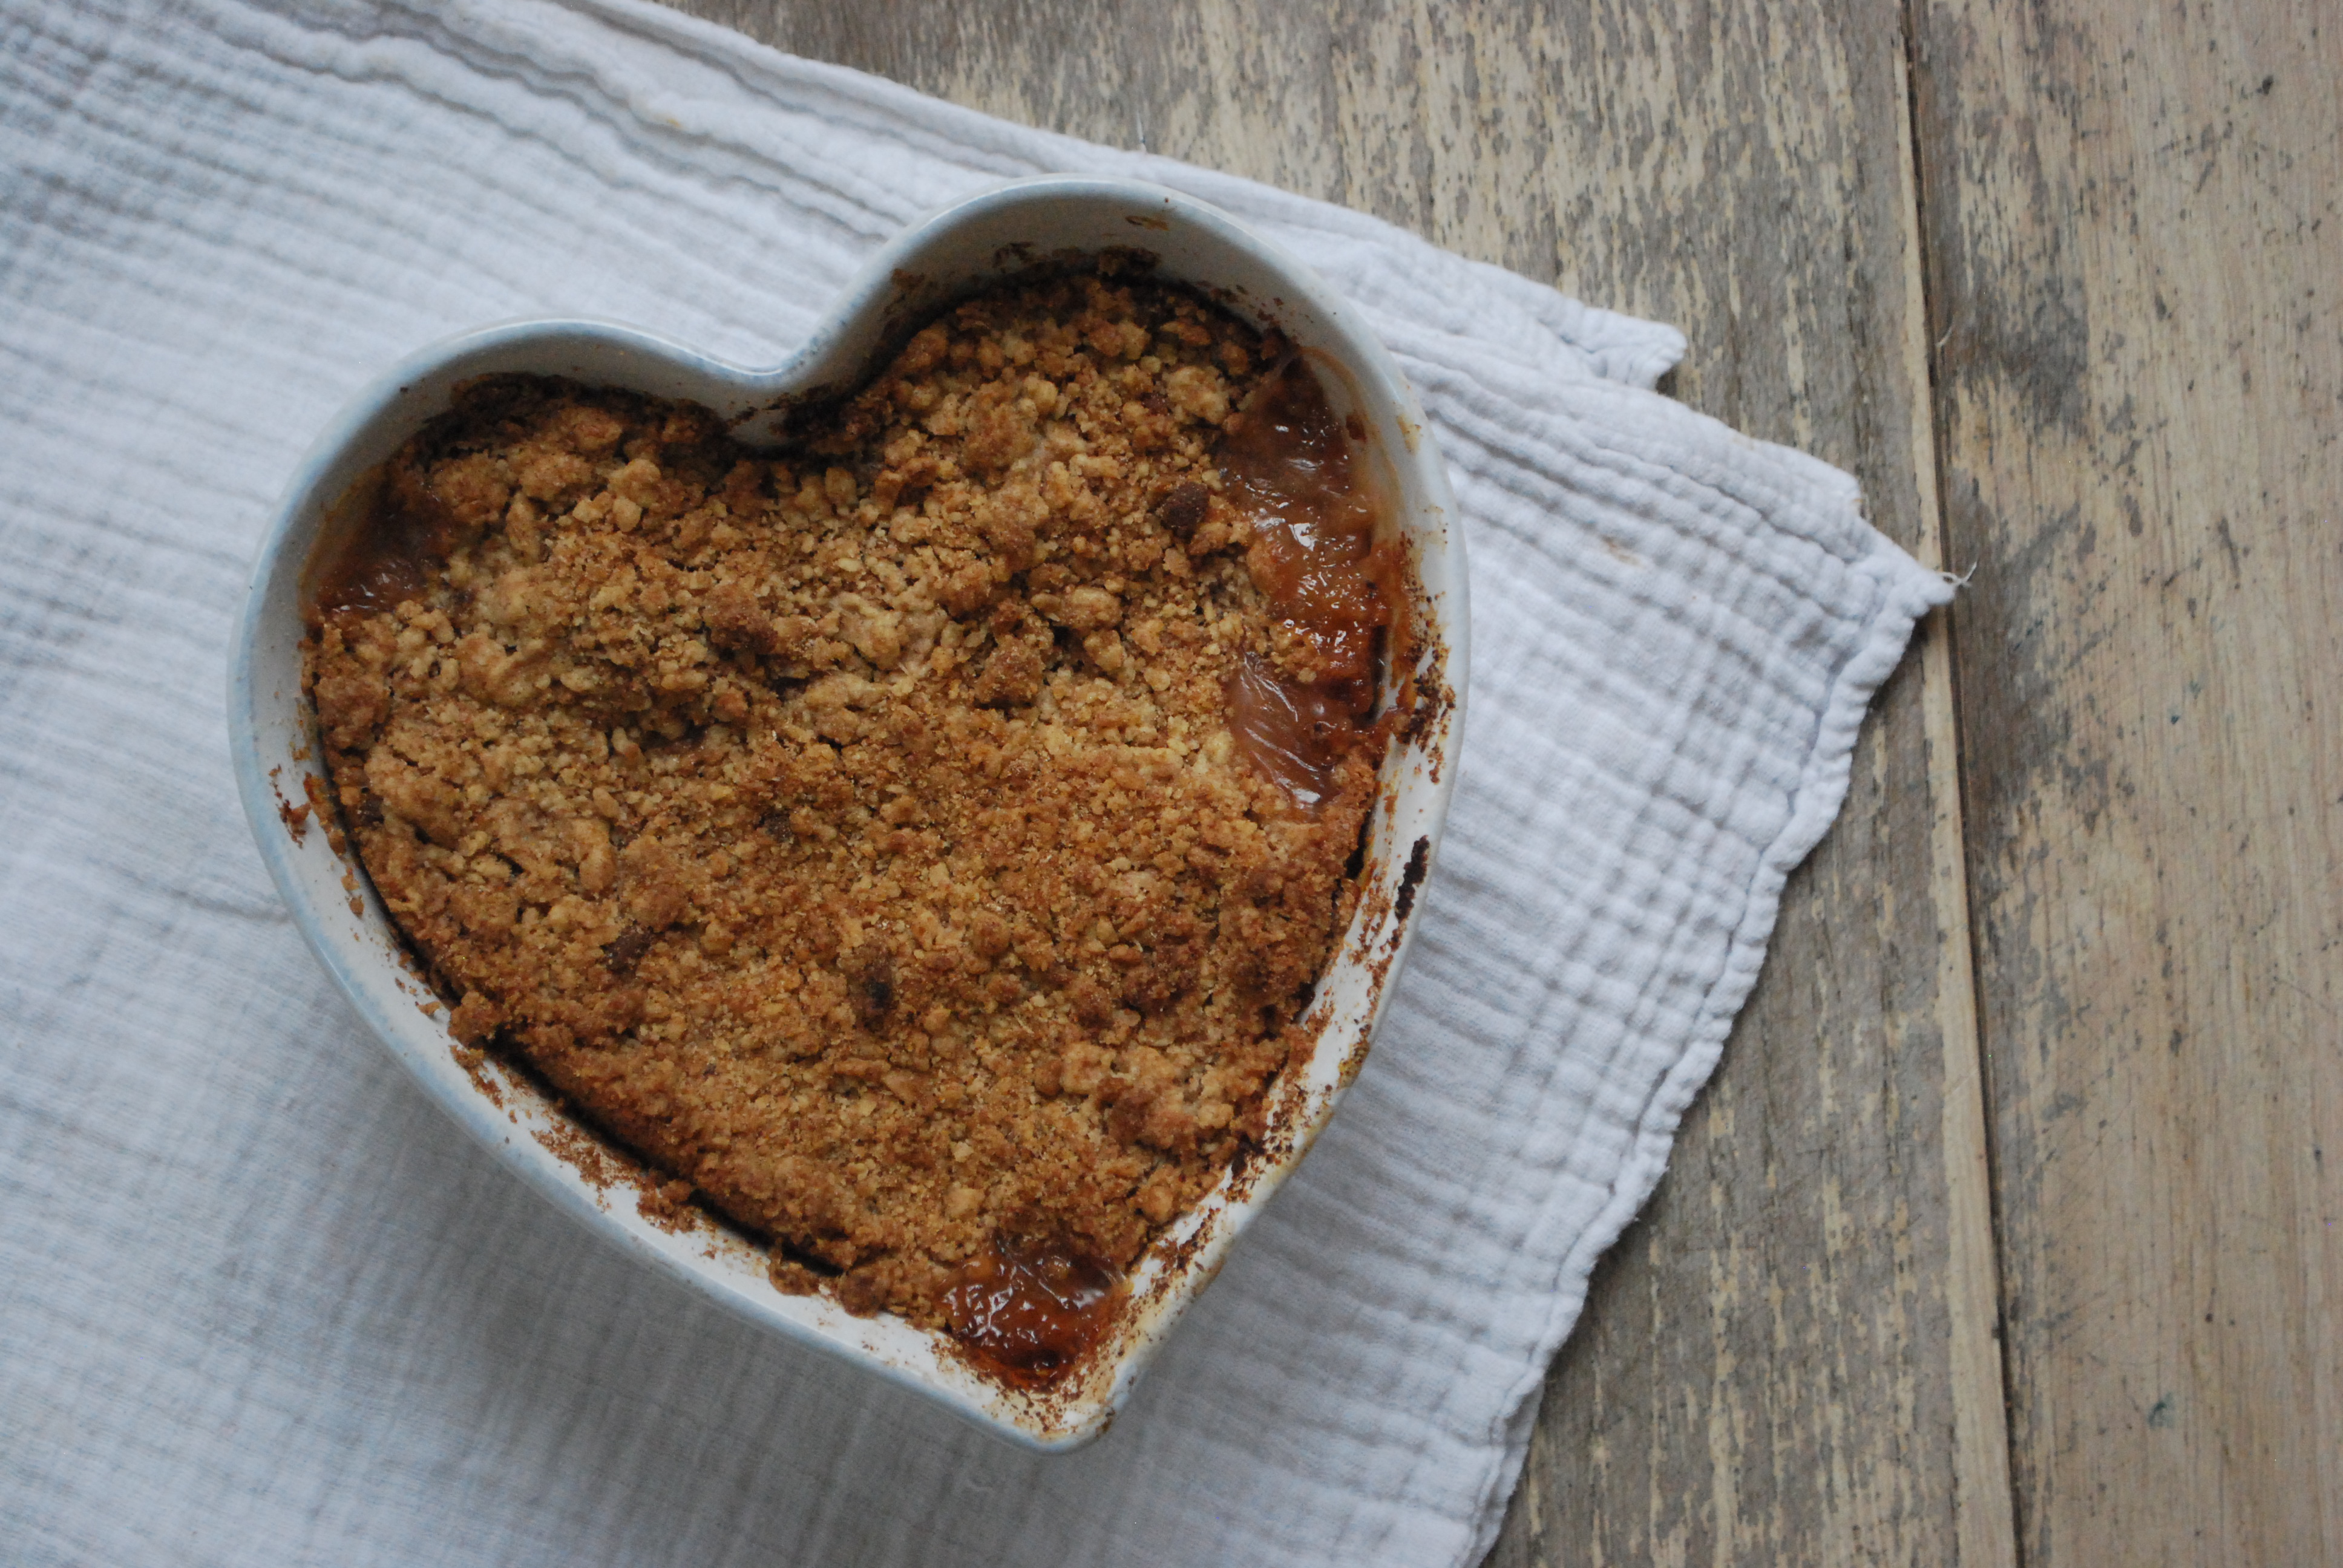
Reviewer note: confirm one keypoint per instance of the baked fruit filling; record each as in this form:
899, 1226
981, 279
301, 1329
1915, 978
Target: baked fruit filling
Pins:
920, 842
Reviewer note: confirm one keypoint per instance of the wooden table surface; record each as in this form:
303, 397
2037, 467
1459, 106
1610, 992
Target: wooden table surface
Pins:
2005, 1231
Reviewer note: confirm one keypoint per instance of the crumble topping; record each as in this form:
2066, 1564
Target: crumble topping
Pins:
920, 841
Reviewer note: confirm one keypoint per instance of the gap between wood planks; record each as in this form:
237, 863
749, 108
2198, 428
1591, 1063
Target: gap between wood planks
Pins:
1984, 1500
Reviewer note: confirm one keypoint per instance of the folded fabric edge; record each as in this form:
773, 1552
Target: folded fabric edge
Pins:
1630, 348
1907, 592
1641, 360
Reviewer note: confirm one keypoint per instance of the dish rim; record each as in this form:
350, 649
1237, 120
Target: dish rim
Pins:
359, 948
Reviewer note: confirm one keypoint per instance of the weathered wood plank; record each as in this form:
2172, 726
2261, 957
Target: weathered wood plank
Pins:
1768, 1367
1767, 1370
2137, 255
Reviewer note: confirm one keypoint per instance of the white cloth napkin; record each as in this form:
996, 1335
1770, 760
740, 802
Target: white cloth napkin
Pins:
260, 1304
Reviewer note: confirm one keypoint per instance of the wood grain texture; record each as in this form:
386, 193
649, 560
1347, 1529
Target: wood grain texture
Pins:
2137, 280
1766, 1369
1791, 1357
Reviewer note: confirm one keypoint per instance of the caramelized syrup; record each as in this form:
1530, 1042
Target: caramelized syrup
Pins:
1290, 469
386, 541
1029, 1311
1291, 735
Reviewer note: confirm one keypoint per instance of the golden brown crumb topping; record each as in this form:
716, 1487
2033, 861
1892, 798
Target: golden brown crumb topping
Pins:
874, 835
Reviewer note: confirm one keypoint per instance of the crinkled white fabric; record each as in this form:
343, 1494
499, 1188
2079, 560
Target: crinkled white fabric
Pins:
260, 1304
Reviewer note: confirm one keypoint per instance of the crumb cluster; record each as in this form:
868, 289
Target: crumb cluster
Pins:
857, 831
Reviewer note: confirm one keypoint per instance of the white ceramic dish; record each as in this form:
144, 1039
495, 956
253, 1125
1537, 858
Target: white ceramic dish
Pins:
955, 252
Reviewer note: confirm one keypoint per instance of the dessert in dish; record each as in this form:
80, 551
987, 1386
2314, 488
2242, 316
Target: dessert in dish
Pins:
918, 842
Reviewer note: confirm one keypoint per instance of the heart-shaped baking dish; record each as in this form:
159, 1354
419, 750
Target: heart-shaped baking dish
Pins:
956, 252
